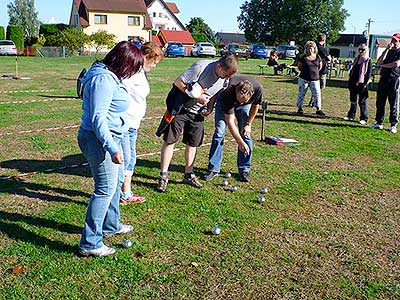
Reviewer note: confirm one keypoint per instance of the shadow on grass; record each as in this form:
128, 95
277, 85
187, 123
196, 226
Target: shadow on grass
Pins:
40, 222
41, 192
59, 96
19, 233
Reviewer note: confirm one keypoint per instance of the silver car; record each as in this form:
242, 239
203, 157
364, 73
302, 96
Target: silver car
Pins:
204, 49
7, 47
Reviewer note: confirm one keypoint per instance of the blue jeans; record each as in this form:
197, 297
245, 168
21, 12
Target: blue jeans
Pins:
217, 144
102, 215
129, 150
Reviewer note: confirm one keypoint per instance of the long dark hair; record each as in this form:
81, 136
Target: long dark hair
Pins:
124, 60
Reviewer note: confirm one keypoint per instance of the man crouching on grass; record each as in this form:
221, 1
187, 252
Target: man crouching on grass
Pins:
190, 93
241, 99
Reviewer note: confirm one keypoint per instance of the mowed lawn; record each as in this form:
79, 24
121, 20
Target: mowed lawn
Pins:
329, 228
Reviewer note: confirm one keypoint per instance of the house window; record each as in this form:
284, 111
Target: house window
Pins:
133, 21
100, 19
76, 19
160, 15
154, 14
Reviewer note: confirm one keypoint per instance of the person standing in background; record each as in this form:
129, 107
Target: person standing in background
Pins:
358, 85
388, 87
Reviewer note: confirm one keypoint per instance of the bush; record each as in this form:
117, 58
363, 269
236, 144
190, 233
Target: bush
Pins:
2, 33
16, 34
50, 30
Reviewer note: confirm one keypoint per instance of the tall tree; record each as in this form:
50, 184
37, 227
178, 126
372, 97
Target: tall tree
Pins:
280, 21
23, 13
197, 25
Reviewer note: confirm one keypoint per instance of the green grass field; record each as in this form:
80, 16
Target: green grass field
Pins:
329, 228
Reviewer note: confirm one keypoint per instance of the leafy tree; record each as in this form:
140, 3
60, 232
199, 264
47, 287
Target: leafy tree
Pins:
280, 21
16, 34
23, 13
102, 39
197, 25
71, 38
199, 37
2, 33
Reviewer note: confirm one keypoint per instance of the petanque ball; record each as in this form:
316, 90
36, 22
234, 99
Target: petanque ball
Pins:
225, 182
234, 188
216, 230
127, 243
264, 190
261, 199
228, 175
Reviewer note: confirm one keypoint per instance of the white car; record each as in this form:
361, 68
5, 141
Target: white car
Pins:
204, 49
7, 47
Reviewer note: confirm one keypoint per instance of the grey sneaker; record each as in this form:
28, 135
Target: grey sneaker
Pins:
244, 177
210, 176
377, 126
193, 181
162, 184
393, 129
99, 252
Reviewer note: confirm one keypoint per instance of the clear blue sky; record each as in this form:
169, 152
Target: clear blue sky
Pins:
221, 15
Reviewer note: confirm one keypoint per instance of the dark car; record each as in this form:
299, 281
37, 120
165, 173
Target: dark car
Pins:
259, 51
175, 49
240, 51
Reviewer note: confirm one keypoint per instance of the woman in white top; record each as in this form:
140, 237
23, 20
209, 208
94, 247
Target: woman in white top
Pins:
138, 89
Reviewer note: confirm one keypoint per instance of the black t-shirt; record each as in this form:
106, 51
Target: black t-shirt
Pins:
392, 55
310, 69
228, 97
323, 53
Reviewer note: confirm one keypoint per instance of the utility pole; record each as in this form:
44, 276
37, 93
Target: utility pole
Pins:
368, 30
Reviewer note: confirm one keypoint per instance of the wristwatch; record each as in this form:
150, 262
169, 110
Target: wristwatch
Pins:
248, 123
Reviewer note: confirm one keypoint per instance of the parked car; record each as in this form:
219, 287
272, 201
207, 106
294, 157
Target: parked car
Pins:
204, 49
240, 51
175, 49
291, 51
286, 51
7, 47
259, 51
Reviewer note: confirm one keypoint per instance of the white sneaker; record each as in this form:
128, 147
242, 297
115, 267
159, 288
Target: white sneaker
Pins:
377, 126
348, 119
393, 129
99, 252
124, 229
363, 122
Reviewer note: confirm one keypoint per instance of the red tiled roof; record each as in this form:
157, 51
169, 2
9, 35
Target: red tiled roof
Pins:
132, 6
155, 38
172, 7
176, 36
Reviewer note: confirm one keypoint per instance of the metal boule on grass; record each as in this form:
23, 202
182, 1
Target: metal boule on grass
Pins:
228, 175
234, 188
261, 199
224, 182
216, 230
127, 243
264, 190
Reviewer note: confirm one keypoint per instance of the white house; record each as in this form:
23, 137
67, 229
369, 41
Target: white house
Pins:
164, 15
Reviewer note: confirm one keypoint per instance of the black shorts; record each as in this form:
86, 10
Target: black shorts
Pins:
191, 126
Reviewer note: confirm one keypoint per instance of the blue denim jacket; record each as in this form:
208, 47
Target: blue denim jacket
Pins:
105, 101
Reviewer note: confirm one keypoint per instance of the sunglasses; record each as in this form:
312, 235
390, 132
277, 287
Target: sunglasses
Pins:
361, 50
